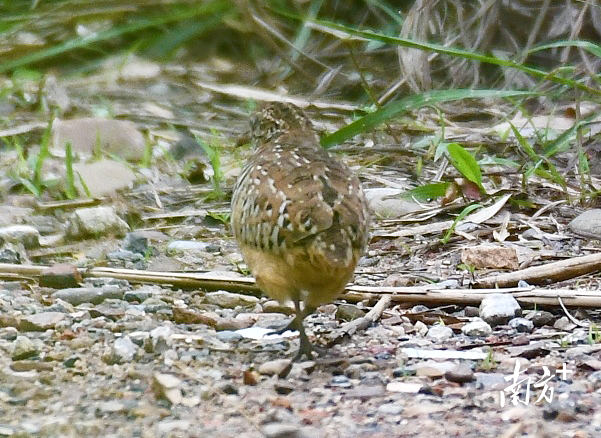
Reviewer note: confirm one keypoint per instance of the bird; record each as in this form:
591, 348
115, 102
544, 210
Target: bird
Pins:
298, 214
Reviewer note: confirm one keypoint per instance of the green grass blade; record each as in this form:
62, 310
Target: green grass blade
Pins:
366, 123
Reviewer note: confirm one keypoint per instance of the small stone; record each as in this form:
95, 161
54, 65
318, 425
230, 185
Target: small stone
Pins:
274, 367
439, 333
540, 318
136, 242
348, 312
27, 235
476, 328
283, 388
40, 322
86, 134
167, 387
60, 276
281, 430
341, 381
94, 295
587, 224
433, 369
251, 377
229, 336
103, 177
179, 246
521, 325
95, 222
123, 350
563, 323
460, 374
388, 203
160, 339
24, 348
471, 311
229, 300
273, 306
498, 309
420, 328
228, 388
390, 409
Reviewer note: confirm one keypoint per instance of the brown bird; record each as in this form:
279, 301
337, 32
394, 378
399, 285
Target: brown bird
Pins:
299, 215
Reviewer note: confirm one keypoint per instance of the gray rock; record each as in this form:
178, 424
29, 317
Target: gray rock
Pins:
471, 311
41, 321
564, 323
522, 325
24, 234
274, 367
477, 327
541, 318
348, 312
179, 246
439, 333
94, 295
136, 242
587, 223
23, 348
103, 177
420, 328
86, 134
498, 309
230, 300
390, 409
229, 336
160, 339
94, 222
282, 430
460, 374
389, 203
123, 350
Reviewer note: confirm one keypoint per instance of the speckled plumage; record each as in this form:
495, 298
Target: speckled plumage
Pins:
299, 214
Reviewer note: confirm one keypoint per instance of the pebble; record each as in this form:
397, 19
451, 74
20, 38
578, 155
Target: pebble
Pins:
136, 242
103, 177
229, 336
471, 311
95, 295
390, 409
274, 367
498, 309
229, 300
117, 137
179, 246
27, 235
160, 339
41, 321
540, 318
123, 350
439, 333
587, 223
348, 312
95, 222
24, 348
460, 374
388, 203
521, 325
420, 328
281, 430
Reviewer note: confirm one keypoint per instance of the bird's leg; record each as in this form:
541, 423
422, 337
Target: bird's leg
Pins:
306, 348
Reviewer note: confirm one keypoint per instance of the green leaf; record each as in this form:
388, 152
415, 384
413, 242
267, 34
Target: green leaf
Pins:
465, 163
428, 191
